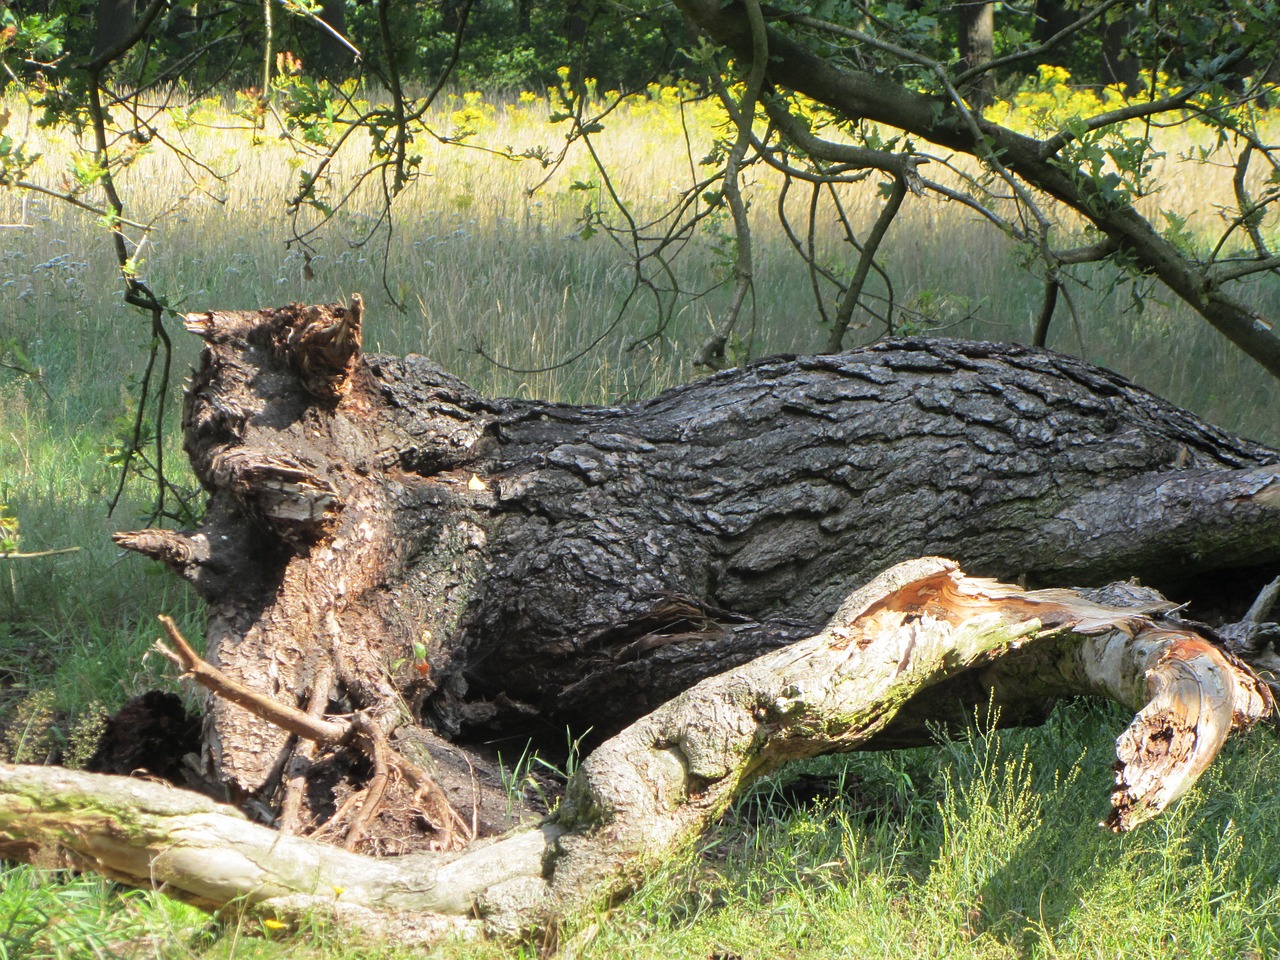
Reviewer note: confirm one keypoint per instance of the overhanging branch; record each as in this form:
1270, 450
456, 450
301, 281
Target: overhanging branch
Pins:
879, 99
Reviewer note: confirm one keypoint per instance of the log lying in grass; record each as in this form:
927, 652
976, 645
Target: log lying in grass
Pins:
518, 566
650, 791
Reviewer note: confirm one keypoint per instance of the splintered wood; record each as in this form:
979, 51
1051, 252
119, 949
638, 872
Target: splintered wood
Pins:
1198, 695
1189, 693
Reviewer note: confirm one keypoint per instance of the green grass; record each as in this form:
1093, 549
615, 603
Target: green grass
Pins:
987, 847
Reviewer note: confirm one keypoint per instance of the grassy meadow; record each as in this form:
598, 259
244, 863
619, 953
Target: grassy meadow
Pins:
985, 847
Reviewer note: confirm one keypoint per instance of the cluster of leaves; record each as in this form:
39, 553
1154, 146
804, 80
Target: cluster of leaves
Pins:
518, 44
505, 43
9, 536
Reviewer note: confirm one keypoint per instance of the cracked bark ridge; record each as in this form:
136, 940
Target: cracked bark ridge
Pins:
652, 789
583, 565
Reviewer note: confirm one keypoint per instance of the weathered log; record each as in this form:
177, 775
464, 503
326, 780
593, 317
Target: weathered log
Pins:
649, 792
582, 565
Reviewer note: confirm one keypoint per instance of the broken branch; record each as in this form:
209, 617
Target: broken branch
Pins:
360, 730
291, 719
653, 788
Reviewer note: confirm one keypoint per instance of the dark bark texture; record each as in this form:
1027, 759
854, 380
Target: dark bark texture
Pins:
977, 24
565, 565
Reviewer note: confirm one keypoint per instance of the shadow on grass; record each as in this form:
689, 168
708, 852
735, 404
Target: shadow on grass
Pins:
1043, 879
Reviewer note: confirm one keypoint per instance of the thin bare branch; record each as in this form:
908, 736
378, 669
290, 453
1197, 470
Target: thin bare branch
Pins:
743, 114
1222, 273
1051, 287
295, 721
1133, 111
853, 294
839, 30
903, 165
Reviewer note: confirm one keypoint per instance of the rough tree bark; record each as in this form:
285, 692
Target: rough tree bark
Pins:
551, 558
976, 21
383, 541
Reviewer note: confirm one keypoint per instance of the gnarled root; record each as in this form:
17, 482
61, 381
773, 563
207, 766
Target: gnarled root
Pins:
361, 730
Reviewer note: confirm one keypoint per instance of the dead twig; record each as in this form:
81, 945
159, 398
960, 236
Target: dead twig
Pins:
326, 733
1255, 639
361, 731
304, 754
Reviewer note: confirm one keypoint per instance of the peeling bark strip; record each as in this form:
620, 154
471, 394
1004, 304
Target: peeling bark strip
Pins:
651, 790
582, 565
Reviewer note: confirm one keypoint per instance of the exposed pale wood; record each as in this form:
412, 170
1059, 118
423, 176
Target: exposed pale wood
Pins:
144, 833
361, 730
651, 790
1197, 694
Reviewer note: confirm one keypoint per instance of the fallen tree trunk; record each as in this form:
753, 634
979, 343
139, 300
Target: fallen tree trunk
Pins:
647, 793
497, 564
382, 542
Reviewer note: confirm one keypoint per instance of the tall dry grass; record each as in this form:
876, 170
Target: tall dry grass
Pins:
477, 262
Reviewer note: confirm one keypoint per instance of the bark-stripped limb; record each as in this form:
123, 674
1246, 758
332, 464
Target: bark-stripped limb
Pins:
144, 834
660, 781
652, 789
1196, 697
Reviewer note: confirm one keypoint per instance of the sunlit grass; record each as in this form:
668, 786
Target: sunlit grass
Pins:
477, 263
986, 849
